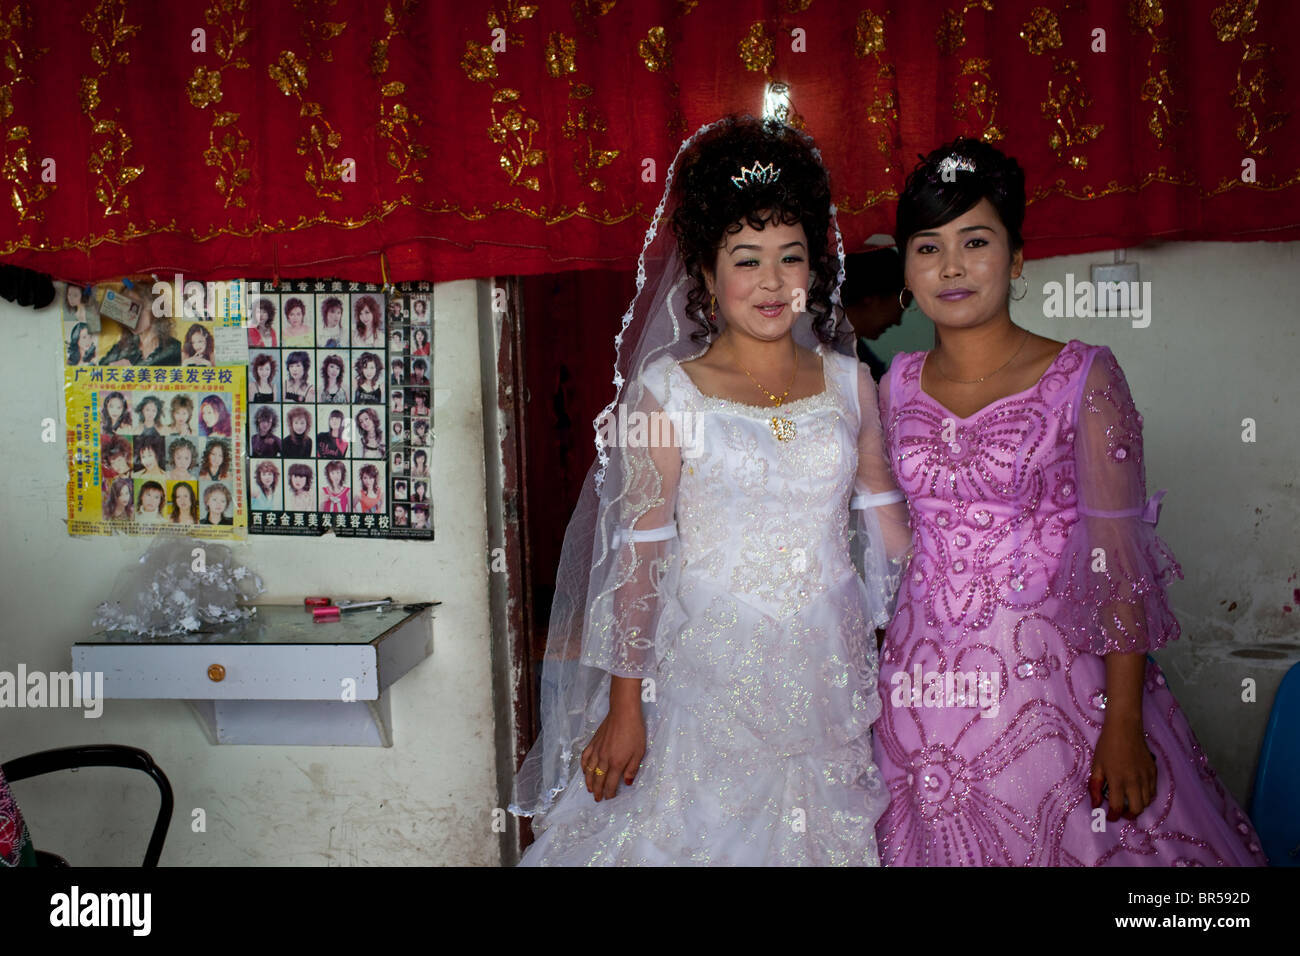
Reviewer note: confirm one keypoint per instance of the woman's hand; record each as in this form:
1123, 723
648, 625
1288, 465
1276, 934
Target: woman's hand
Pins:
618, 745
1126, 767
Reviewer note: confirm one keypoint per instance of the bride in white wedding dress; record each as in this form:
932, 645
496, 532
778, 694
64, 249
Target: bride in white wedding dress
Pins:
712, 678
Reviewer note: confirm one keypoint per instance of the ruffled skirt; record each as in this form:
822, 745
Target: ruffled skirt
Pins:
758, 746
1001, 777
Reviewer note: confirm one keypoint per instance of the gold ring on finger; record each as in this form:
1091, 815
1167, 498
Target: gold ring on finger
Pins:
598, 772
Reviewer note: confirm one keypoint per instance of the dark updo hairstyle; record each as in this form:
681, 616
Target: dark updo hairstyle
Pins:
709, 207
929, 201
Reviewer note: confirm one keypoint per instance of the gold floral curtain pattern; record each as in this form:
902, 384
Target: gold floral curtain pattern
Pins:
301, 137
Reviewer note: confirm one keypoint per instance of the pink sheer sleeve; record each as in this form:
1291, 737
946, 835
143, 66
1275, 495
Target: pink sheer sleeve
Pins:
1115, 568
881, 542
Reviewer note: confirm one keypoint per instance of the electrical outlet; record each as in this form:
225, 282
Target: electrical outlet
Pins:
1115, 272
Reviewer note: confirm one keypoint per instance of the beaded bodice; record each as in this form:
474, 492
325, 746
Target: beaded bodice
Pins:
763, 517
992, 495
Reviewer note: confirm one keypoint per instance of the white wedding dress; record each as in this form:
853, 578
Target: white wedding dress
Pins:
763, 595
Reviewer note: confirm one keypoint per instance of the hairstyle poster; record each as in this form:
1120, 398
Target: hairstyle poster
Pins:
154, 421
156, 450
154, 323
340, 409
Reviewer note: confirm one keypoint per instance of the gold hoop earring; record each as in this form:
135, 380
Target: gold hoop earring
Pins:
713, 308
901, 305
1023, 292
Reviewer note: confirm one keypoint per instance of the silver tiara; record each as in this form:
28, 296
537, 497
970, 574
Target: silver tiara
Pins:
756, 175
952, 163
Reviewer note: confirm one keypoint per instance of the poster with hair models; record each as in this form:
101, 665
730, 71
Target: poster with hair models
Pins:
156, 451
169, 324
154, 426
340, 409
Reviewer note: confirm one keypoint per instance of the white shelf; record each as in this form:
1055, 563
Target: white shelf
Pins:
278, 679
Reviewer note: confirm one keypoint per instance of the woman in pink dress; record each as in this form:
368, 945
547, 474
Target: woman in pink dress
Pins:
334, 493
1024, 723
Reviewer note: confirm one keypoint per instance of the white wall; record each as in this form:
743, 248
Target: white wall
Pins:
426, 800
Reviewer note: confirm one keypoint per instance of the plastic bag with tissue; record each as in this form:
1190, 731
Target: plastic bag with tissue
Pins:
179, 586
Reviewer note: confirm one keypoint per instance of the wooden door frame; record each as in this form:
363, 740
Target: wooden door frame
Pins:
505, 397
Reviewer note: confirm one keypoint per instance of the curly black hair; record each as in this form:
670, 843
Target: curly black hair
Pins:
930, 199
709, 207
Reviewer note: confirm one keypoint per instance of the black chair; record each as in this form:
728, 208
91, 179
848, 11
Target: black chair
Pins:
98, 755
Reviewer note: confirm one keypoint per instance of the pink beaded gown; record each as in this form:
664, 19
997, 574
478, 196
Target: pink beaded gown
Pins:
1034, 553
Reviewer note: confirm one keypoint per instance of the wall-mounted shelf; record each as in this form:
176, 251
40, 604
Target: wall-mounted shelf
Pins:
279, 678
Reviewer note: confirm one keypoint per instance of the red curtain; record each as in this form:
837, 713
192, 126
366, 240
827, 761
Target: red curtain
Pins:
307, 137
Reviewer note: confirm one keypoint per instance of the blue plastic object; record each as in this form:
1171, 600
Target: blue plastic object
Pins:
1275, 804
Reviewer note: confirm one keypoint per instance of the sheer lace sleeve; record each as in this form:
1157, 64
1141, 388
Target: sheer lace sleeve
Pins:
881, 537
1115, 568
627, 626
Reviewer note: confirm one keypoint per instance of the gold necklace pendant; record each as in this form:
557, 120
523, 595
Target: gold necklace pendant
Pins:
782, 428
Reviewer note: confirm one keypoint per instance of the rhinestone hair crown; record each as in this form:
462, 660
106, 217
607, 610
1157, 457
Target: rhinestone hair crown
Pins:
951, 164
756, 175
